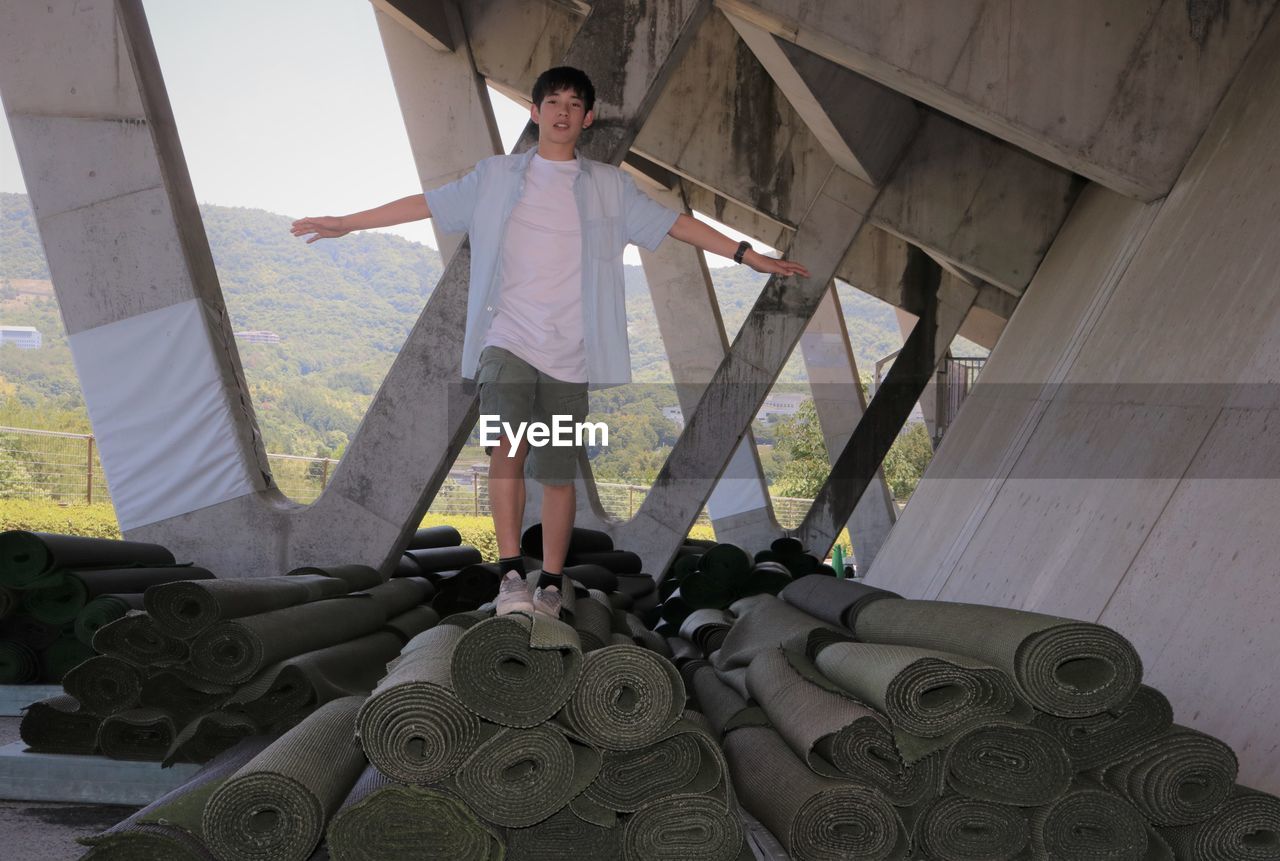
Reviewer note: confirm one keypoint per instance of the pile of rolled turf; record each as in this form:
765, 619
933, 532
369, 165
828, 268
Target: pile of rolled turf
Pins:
858, 724
208, 662
56, 591
489, 737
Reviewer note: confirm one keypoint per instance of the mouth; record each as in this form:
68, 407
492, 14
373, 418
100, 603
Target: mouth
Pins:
561, 125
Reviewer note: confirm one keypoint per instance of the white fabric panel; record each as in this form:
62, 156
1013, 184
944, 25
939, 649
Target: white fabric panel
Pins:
739, 489
160, 414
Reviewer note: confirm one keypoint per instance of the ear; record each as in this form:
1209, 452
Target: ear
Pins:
588, 119
533, 114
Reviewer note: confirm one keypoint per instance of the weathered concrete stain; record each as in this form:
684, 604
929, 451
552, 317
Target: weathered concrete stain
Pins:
754, 120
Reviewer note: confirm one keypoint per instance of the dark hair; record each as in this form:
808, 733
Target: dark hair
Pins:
564, 78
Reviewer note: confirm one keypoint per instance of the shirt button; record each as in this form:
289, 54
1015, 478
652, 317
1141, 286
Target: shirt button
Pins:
488, 307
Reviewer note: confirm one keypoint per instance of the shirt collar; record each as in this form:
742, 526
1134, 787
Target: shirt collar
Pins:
521, 162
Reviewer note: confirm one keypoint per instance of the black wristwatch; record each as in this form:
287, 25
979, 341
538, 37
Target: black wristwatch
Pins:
743, 248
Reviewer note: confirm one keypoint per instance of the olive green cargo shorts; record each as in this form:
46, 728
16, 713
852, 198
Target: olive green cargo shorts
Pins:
515, 391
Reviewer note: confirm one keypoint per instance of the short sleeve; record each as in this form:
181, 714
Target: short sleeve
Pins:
452, 205
647, 220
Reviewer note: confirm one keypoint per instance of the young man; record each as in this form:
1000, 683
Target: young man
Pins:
546, 313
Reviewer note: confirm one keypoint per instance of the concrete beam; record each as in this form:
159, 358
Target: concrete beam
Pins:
445, 144
427, 20
1117, 92
981, 204
741, 382
515, 42
862, 125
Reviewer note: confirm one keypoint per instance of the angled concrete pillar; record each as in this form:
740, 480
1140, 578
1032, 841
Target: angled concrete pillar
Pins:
741, 382
1117, 92
427, 76
130, 262
862, 125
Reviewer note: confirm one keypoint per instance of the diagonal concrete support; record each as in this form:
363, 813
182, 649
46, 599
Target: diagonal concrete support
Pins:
1085, 84
725, 409
862, 125
431, 21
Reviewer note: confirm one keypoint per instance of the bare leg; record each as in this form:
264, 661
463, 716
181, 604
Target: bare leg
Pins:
559, 505
506, 495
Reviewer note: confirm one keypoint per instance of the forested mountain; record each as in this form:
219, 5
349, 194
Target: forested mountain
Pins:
342, 309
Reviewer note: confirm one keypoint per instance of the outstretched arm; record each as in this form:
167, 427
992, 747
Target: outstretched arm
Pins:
704, 236
411, 208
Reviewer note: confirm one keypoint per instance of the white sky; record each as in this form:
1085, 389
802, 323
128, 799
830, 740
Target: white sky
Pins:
287, 106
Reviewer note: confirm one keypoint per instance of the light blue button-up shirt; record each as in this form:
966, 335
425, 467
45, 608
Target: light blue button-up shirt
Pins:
613, 212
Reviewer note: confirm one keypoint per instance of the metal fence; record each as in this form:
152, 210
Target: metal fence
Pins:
64, 467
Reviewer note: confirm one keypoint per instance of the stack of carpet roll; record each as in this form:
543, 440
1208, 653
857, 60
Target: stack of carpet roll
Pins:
712, 577
213, 661
536, 735
858, 724
57, 590
594, 562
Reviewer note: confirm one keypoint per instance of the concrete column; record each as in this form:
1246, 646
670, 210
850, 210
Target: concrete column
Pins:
429, 78
130, 262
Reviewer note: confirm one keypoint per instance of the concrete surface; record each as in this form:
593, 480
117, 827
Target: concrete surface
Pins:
1121, 464
14, 698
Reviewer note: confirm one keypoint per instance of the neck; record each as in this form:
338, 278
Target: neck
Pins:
555, 152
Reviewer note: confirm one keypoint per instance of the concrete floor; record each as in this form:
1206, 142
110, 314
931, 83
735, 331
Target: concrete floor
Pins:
46, 831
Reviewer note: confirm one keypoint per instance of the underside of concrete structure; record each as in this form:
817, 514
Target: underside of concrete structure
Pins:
1089, 188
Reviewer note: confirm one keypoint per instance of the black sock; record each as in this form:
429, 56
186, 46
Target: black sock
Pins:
511, 563
549, 578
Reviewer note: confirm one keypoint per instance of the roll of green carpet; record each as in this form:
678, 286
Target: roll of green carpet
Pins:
594, 623
235, 650
208, 735
104, 610
413, 726
682, 828
19, 665
183, 696
516, 670
305, 681
706, 629
966, 829
275, 807
763, 622
684, 762
32, 633
68, 593
26, 556
169, 828
357, 577
1008, 764
764, 578
1245, 828
581, 540
836, 601
137, 639
1179, 778
104, 685
435, 536
466, 590
10, 600
723, 707
834, 735
521, 776
184, 609
57, 602
1088, 823
929, 697
814, 817
1094, 741
62, 656
627, 697
59, 725
675, 610
1061, 666
682, 651
563, 836
380, 820
412, 622
433, 560
137, 734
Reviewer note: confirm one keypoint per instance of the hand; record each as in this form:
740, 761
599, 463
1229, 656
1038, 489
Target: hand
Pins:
324, 227
774, 265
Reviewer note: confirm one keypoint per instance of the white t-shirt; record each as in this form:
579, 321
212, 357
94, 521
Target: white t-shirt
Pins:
538, 316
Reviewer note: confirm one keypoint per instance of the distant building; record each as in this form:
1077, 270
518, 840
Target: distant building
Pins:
22, 337
257, 337
781, 404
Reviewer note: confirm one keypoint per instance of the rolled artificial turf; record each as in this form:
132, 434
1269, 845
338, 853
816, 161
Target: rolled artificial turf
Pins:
1178, 778
184, 609
966, 829
25, 557
1008, 764
682, 828
104, 610
59, 725
836, 601
626, 697
1087, 823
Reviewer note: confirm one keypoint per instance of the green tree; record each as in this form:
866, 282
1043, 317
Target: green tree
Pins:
908, 459
798, 440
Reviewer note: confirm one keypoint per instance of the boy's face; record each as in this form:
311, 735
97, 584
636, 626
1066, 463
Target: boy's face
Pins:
561, 117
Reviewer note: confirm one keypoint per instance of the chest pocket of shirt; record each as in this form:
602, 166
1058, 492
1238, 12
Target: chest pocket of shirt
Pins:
604, 237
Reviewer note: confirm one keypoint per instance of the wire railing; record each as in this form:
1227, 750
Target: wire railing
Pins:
64, 468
